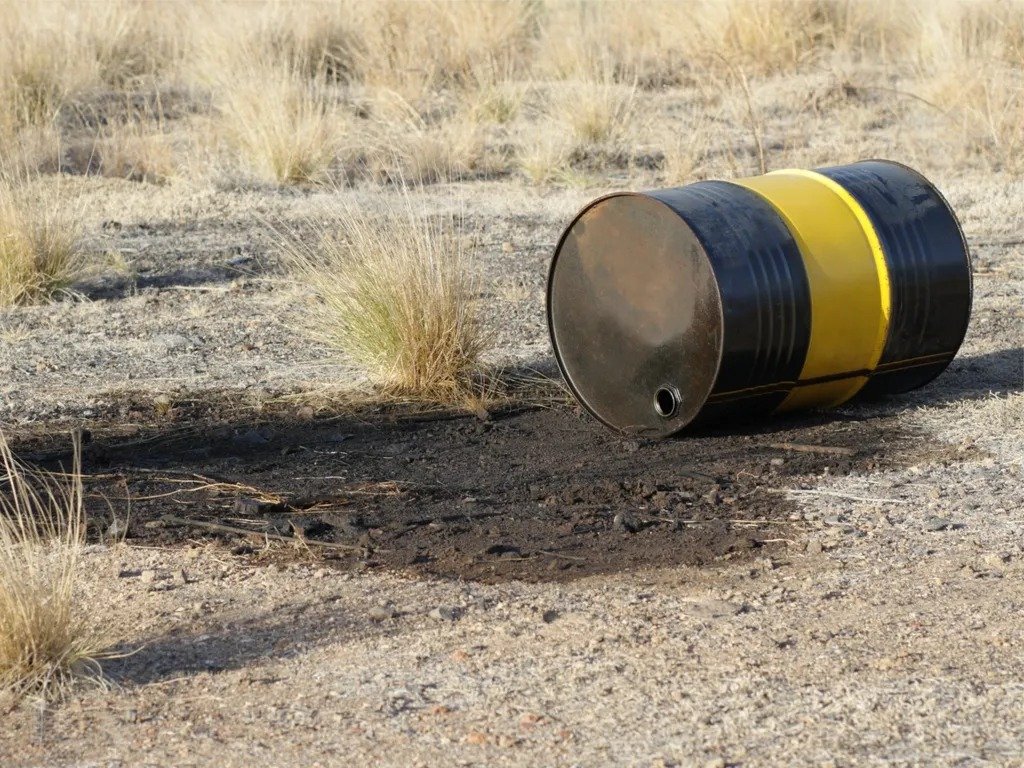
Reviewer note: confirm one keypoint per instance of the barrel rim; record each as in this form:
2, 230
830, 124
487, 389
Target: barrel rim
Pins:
550, 320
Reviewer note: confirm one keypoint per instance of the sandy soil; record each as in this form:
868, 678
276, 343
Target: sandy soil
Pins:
880, 625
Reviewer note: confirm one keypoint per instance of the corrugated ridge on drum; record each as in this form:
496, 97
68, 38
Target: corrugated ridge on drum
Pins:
779, 350
907, 264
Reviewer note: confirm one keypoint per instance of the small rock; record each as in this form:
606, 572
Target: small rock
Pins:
117, 530
549, 616
180, 578
777, 462
936, 523
148, 576
476, 737
381, 613
251, 437
444, 613
994, 561
321, 573
711, 609
624, 522
172, 342
833, 520
246, 507
814, 547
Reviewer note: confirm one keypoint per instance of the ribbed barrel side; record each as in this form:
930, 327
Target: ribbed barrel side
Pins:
764, 292
929, 271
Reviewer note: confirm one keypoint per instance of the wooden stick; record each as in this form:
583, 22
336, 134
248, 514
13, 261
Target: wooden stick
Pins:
805, 448
221, 528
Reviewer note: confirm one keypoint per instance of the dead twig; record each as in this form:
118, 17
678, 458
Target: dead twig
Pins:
807, 448
838, 495
221, 528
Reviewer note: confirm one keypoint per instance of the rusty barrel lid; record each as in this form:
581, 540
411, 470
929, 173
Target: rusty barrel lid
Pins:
677, 305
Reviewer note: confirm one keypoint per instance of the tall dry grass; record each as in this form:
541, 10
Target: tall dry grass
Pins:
48, 638
395, 294
277, 73
279, 125
40, 243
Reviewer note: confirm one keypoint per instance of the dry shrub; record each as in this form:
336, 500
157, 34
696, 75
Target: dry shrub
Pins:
545, 156
413, 48
47, 636
396, 295
686, 158
665, 42
972, 65
595, 111
281, 126
40, 248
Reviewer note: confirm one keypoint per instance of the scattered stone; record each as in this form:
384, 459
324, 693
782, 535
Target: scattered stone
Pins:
711, 609
549, 616
180, 578
382, 613
117, 530
476, 737
814, 547
246, 507
833, 519
530, 720
444, 613
172, 342
148, 576
128, 573
936, 523
624, 522
251, 437
321, 573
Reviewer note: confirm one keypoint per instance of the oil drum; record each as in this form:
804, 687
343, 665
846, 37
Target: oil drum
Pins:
732, 299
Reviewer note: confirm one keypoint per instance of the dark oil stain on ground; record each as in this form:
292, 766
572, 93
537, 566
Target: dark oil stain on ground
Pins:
535, 495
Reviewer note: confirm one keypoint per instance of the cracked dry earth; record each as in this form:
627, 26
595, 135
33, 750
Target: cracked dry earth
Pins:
531, 590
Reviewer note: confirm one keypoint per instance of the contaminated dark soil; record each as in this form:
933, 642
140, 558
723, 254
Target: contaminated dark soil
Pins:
535, 495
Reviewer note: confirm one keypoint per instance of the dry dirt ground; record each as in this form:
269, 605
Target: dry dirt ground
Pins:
525, 590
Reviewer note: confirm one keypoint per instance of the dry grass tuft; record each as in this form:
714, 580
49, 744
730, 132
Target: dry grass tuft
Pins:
596, 111
47, 639
282, 127
545, 156
40, 248
396, 295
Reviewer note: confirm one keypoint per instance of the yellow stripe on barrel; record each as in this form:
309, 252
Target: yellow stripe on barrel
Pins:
849, 283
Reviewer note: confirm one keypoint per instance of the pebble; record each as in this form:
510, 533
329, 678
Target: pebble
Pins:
711, 609
549, 616
936, 523
381, 613
148, 576
624, 522
444, 613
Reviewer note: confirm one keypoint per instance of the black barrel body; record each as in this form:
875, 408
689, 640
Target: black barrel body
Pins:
732, 299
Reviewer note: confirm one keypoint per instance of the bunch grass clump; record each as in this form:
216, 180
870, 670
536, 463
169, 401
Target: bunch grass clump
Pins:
47, 637
283, 127
40, 244
396, 295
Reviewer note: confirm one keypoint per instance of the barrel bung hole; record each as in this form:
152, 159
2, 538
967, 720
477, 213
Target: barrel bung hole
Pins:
666, 402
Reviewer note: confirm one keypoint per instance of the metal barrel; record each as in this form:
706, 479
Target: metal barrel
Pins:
796, 289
